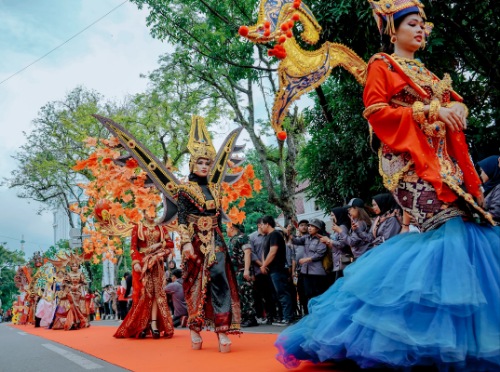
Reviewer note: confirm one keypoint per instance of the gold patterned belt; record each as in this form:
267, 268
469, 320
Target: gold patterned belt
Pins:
205, 225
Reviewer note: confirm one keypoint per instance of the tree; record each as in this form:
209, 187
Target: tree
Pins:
240, 74
259, 205
51, 149
8, 261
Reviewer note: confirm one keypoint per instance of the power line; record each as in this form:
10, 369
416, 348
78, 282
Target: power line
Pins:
19, 240
60, 45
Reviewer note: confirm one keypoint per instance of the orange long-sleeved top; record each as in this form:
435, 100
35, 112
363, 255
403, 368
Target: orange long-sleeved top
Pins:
395, 126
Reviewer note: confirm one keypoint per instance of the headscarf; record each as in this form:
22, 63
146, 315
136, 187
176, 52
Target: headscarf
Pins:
491, 167
342, 216
386, 203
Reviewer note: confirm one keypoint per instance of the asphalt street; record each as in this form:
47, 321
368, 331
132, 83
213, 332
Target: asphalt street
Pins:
22, 352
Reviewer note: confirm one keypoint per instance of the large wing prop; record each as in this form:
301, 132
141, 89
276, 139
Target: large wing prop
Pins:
299, 70
158, 174
224, 157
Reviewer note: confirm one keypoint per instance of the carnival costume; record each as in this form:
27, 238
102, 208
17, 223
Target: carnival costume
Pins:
210, 286
71, 312
208, 279
430, 299
148, 283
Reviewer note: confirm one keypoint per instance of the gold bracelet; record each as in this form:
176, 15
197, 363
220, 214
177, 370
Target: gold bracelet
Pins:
418, 112
434, 110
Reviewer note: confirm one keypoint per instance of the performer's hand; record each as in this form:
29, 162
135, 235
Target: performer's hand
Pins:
188, 251
453, 117
246, 275
155, 246
137, 268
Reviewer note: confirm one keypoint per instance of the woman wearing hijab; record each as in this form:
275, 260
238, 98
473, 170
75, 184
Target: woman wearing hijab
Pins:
388, 221
490, 175
341, 251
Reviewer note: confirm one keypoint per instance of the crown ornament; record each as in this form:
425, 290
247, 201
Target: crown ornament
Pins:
389, 10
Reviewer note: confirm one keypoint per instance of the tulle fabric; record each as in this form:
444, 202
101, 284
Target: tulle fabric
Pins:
418, 299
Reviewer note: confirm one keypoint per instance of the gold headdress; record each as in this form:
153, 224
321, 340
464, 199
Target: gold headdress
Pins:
75, 259
199, 143
390, 10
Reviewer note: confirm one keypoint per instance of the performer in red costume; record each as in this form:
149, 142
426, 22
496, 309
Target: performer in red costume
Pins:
428, 300
149, 246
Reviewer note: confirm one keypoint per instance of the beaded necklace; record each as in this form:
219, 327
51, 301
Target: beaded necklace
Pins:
415, 69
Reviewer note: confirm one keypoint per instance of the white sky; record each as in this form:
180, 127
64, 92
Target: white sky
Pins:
108, 57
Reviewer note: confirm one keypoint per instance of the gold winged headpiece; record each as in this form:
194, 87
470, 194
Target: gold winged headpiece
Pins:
199, 145
199, 142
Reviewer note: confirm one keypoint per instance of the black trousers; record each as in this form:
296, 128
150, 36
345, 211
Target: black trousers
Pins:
264, 297
314, 285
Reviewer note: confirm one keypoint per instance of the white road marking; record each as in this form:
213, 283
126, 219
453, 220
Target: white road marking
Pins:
77, 359
22, 333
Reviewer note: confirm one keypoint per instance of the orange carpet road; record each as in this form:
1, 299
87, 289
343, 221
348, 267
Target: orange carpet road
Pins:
251, 352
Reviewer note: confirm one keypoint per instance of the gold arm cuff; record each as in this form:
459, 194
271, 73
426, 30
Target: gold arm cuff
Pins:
186, 233
418, 112
370, 110
434, 110
135, 262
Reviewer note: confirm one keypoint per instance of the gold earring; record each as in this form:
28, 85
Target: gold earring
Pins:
393, 39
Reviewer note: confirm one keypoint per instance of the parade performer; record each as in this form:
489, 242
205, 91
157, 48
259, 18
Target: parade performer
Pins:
71, 311
208, 279
149, 247
46, 306
209, 282
429, 299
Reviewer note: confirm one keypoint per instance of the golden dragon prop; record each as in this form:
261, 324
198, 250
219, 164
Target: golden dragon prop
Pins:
299, 70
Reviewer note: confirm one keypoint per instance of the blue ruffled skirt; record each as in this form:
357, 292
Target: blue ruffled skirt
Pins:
430, 299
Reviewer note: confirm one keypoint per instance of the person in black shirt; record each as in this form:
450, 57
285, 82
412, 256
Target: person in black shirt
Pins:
275, 265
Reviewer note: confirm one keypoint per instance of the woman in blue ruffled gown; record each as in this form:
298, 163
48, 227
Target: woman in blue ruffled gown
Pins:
429, 299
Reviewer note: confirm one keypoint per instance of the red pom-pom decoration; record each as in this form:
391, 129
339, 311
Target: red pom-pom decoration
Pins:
296, 17
267, 32
270, 52
267, 24
291, 23
284, 27
101, 206
281, 135
296, 4
289, 34
243, 31
282, 39
279, 51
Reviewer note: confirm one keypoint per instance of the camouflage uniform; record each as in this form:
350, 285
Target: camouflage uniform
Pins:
237, 246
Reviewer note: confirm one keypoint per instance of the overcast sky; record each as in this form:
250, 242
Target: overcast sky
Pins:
107, 57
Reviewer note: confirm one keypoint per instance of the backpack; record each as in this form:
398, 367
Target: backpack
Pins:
327, 260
